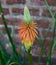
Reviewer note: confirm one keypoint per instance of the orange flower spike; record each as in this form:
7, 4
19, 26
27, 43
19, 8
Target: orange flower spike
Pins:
27, 31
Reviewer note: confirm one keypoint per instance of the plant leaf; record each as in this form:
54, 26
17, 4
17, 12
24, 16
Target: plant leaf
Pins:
27, 16
54, 44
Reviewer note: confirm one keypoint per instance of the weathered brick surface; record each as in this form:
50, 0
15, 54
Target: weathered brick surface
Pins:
3, 1
46, 12
33, 11
17, 11
52, 3
42, 2
42, 23
4, 31
15, 1
37, 2
13, 11
50, 33
11, 21
5, 11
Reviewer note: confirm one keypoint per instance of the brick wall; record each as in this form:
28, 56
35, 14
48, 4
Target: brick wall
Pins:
13, 12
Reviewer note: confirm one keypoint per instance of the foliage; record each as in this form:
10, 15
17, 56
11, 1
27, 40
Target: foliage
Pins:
16, 58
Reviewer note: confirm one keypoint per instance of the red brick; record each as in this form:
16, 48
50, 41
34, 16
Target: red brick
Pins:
37, 2
18, 22
54, 59
42, 2
47, 13
1, 21
47, 44
53, 2
50, 33
54, 11
42, 23
11, 21
3, 30
36, 51
34, 12
16, 39
16, 31
5, 11
17, 10
2, 37
1, 1
54, 52
15, 1
55, 32
35, 43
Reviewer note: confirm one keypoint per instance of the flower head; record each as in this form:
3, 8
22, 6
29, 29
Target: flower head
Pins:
27, 31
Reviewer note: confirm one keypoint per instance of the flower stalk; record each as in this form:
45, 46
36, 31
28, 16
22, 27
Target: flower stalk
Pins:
8, 33
53, 42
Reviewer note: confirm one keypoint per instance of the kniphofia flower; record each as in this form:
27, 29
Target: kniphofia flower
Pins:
27, 30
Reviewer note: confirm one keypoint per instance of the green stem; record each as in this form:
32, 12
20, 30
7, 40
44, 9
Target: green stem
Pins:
7, 30
39, 57
52, 44
2, 59
30, 59
8, 33
43, 50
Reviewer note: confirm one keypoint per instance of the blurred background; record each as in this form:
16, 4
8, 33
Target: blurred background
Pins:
13, 12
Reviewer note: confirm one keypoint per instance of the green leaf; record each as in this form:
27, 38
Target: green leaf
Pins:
54, 44
27, 16
9, 36
2, 58
30, 59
